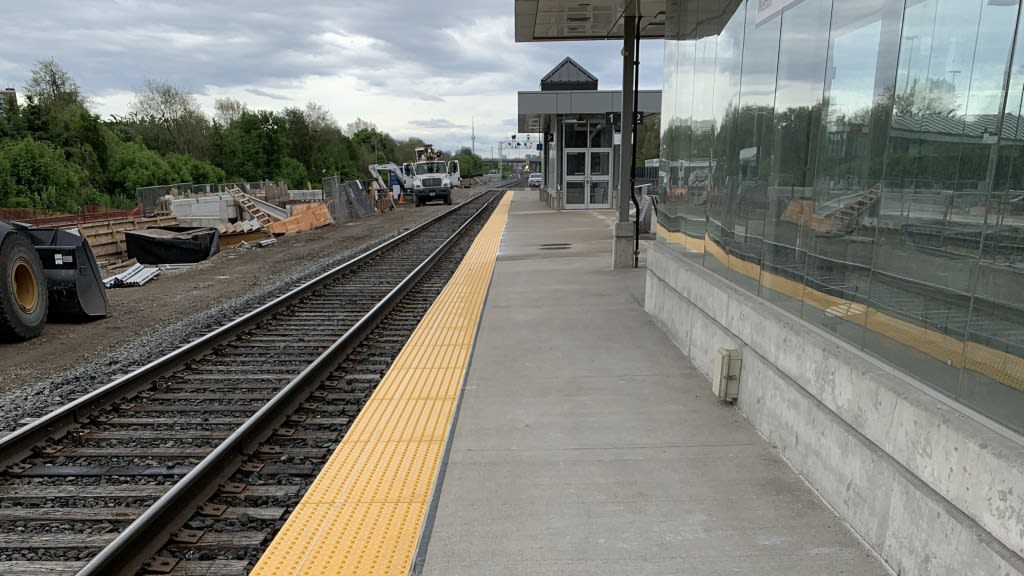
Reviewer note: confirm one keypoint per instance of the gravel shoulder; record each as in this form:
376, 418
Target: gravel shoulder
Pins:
149, 321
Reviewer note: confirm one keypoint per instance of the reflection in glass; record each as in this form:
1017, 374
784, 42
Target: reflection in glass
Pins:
576, 163
599, 193
993, 374
926, 144
725, 149
686, 168
600, 163
857, 162
575, 193
795, 137
746, 204
836, 237
575, 133
601, 135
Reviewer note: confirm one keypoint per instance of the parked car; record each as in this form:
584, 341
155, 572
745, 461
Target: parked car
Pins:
535, 180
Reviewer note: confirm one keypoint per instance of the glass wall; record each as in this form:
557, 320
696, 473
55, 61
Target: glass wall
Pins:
860, 163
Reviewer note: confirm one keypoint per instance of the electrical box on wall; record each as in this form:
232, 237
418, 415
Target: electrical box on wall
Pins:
725, 381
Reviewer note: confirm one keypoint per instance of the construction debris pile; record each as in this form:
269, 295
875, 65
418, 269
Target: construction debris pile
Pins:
254, 212
178, 225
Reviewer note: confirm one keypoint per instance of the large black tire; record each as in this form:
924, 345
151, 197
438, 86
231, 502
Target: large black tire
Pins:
448, 199
23, 298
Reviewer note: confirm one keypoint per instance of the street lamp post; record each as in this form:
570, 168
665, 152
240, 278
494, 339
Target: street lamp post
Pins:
910, 60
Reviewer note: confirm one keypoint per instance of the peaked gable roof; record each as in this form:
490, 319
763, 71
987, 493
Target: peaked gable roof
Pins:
568, 75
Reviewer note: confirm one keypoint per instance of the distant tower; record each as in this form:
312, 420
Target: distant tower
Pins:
473, 137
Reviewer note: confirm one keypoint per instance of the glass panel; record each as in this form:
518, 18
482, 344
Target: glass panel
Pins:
576, 163
575, 133
600, 163
601, 135
723, 252
798, 109
753, 134
838, 232
599, 193
919, 291
677, 208
575, 193
698, 164
870, 161
993, 374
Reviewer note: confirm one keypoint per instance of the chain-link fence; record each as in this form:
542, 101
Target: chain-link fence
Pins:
149, 196
347, 200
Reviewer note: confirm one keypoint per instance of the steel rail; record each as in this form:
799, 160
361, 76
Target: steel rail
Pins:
146, 535
19, 444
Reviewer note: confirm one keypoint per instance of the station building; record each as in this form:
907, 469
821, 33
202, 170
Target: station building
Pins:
581, 127
841, 203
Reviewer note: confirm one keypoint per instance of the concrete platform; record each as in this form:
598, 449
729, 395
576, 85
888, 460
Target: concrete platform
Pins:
588, 444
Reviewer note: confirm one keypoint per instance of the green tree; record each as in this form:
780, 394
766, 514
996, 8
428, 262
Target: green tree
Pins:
262, 140
405, 151
228, 111
188, 168
336, 156
293, 173
169, 119
50, 86
36, 174
469, 164
373, 146
648, 141
133, 166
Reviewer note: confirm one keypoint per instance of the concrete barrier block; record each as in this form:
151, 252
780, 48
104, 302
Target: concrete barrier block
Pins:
930, 488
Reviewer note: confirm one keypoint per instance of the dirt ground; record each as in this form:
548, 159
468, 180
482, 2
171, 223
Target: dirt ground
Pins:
177, 295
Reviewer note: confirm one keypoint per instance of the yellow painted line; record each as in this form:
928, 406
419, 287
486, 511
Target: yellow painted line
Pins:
690, 243
740, 265
996, 364
364, 513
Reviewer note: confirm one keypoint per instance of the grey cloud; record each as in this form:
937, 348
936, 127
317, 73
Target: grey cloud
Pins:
437, 123
111, 45
267, 94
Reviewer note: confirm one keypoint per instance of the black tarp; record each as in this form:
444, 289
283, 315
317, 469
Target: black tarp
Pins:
172, 245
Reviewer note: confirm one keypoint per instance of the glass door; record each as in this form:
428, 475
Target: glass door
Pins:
600, 165
587, 178
576, 178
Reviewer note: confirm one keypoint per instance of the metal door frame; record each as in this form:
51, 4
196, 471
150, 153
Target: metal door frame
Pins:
587, 178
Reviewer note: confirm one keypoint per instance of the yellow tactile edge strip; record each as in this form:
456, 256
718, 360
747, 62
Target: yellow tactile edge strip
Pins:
996, 364
364, 513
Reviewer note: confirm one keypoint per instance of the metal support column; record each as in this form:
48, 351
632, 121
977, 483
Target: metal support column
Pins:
623, 241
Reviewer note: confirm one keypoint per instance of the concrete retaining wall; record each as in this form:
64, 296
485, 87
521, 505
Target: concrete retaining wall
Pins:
930, 489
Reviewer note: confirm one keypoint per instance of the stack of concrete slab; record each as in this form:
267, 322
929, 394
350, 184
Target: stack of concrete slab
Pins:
205, 211
306, 195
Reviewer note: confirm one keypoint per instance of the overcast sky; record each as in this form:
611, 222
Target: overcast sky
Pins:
412, 67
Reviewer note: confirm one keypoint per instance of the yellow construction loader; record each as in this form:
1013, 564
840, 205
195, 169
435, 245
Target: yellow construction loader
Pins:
46, 274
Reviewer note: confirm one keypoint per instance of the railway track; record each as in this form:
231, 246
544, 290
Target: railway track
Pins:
190, 464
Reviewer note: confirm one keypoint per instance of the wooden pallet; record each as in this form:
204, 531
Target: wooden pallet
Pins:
306, 217
106, 237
